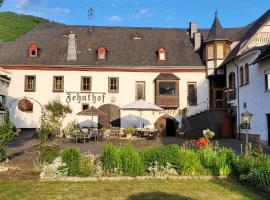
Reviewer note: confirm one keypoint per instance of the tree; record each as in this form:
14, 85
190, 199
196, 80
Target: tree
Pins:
1, 2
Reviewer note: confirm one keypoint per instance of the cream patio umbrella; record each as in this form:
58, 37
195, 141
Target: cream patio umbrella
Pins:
141, 105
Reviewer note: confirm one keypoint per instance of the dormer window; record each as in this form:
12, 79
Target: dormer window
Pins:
101, 53
33, 50
162, 55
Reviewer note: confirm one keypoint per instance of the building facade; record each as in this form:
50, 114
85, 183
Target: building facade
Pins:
109, 67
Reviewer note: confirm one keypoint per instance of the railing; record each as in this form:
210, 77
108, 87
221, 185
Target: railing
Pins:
260, 39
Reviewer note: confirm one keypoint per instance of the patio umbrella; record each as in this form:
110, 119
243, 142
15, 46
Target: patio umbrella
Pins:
140, 106
92, 111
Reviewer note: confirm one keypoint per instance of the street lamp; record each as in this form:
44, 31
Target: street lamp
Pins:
246, 118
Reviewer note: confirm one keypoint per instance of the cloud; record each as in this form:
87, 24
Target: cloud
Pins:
58, 10
23, 4
115, 19
142, 13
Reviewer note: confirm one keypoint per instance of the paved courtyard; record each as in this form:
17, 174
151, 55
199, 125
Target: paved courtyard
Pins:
23, 151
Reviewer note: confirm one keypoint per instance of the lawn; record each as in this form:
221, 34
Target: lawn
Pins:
128, 190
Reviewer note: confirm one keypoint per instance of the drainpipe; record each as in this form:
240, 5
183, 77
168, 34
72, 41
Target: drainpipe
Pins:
238, 100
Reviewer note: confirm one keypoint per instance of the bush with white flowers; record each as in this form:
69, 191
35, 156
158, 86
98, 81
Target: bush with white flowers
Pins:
208, 134
54, 170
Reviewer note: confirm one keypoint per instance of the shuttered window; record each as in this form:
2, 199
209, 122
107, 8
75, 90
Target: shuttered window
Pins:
30, 83
140, 90
58, 84
192, 94
113, 84
86, 82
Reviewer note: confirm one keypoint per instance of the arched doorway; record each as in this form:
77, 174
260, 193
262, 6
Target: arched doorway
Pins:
167, 126
113, 116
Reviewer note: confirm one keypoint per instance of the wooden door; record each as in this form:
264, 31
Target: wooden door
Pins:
112, 119
161, 126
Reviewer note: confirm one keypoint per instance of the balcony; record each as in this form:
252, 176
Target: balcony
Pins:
167, 101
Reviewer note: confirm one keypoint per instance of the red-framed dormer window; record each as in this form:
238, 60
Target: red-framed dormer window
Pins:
162, 54
33, 50
101, 53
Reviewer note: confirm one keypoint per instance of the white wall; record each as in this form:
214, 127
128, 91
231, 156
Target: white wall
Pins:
253, 94
72, 81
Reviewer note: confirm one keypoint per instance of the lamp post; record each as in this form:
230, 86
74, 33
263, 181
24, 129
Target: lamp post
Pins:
246, 117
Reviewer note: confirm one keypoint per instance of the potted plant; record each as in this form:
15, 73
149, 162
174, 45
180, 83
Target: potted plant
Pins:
128, 132
184, 112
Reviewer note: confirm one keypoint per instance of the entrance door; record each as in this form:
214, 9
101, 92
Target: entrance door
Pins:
170, 128
268, 126
113, 116
166, 127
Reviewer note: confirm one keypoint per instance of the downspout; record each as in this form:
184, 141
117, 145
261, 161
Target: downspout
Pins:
238, 99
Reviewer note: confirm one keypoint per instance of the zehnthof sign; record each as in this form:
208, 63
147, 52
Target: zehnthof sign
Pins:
79, 97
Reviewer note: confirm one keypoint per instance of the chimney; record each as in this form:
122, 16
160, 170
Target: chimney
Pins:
72, 47
197, 41
193, 28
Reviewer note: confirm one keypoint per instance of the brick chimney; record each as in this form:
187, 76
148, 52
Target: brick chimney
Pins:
72, 47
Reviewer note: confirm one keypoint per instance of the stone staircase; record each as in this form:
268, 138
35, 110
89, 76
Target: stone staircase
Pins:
204, 120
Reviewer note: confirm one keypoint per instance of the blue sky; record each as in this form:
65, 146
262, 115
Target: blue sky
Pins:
150, 13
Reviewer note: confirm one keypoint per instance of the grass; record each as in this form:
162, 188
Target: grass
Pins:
127, 190
13, 25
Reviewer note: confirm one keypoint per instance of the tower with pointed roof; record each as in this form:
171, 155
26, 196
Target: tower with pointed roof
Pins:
216, 48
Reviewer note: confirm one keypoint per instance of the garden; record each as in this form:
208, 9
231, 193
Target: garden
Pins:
195, 162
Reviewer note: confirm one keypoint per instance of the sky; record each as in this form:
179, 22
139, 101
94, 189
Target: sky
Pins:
143, 13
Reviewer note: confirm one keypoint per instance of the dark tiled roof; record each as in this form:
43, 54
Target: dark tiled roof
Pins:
251, 29
264, 55
166, 76
122, 50
216, 32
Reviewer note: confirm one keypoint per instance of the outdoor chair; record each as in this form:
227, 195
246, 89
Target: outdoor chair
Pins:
115, 131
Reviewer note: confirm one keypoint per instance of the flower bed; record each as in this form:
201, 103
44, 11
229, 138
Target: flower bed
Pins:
202, 160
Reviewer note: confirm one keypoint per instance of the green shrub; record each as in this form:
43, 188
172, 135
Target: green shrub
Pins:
160, 154
110, 159
260, 175
218, 162
72, 158
85, 167
48, 153
131, 163
188, 163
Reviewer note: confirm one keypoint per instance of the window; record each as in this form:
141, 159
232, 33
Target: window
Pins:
2, 102
86, 83
242, 82
192, 94
220, 51
58, 84
162, 55
113, 85
30, 83
101, 53
167, 88
140, 90
232, 80
210, 52
85, 106
227, 50
267, 81
33, 50
247, 73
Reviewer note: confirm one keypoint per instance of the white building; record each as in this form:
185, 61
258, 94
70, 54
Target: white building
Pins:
248, 77
109, 67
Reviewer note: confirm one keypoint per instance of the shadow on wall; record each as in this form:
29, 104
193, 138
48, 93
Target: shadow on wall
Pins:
158, 196
133, 121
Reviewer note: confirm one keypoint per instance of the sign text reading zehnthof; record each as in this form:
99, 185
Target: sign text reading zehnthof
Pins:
79, 97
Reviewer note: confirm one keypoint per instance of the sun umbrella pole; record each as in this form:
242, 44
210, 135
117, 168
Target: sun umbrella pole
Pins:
140, 119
